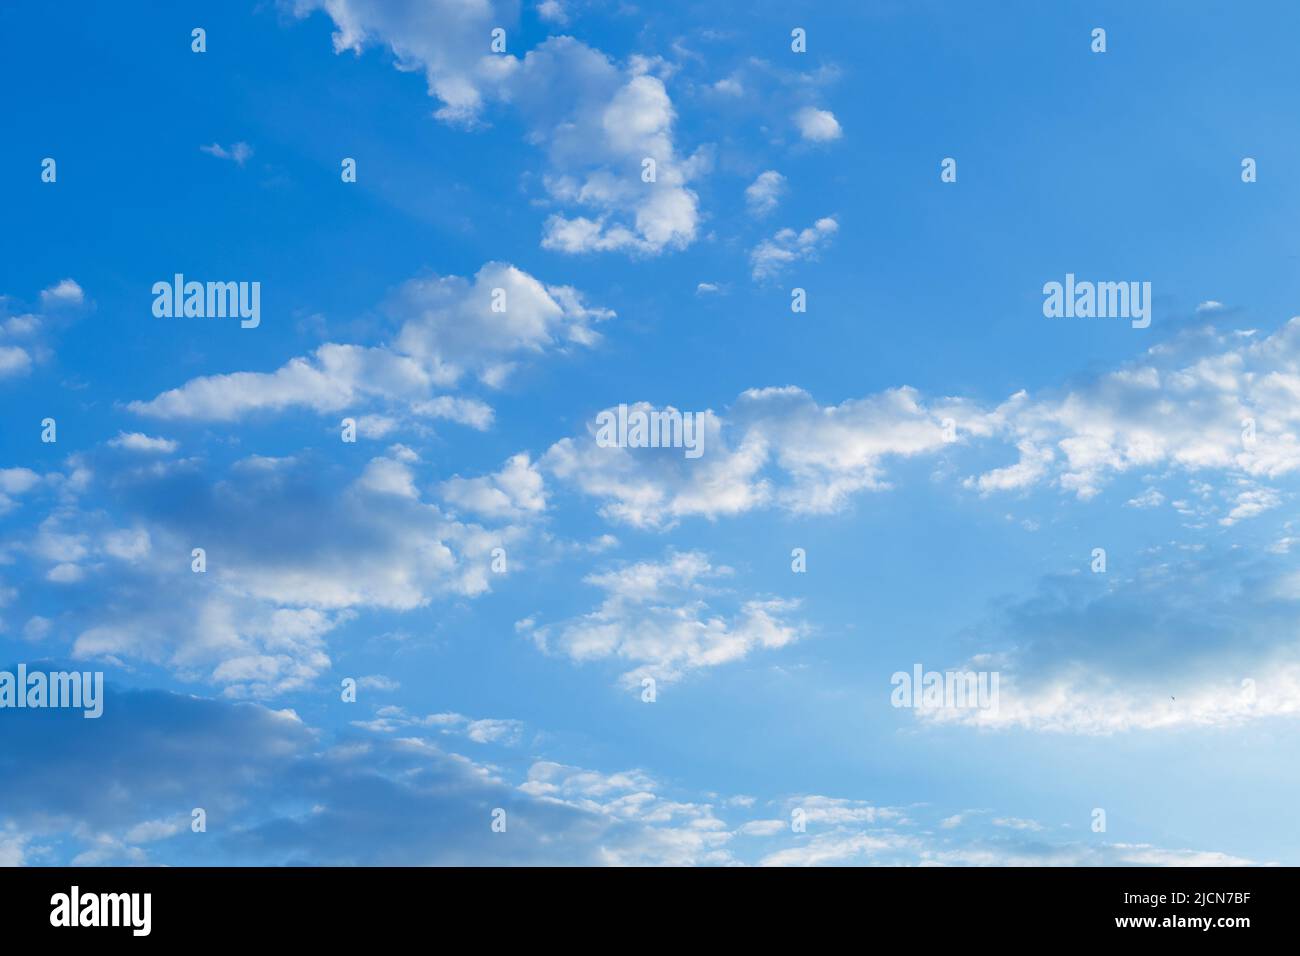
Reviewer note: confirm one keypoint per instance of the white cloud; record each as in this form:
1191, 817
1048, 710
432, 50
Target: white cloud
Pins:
14, 361
1090, 704
512, 493
773, 256
238, 153
1185, 404
763, 194
1151, 498
552, 11
447, 40
1250, 503
137, 441
817, 126
23, 337
65, 292
597, 120
598, 149
449, 329
258, 625
486, 730
658, 616
775, 447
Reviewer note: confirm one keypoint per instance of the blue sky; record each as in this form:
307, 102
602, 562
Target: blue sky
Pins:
521, 688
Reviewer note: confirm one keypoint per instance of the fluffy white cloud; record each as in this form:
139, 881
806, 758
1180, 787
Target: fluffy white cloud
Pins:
14, 361
1202, 401
658, 616
14, 482
552, 11
138, 441
450, 327
773, 256
512, 493
775, 447
597, 120
64, 292
290, 557
23, 335
817, 126
763, 194
600, 123
447, 40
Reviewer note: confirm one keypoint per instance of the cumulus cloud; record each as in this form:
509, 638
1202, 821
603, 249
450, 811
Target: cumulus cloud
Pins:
1204, 401
65, 292
24, 336
598, 120
763, 194
512, 493
138, 441
450, 327
659, 616
776, 447
15, 482
613, 120
817, 126
773, 256
291, 555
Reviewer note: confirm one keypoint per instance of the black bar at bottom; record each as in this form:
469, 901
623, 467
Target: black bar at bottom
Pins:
212, 905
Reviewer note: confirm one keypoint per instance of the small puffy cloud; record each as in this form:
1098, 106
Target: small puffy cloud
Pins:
729, 86
1151, 498
24, 335
763, 194
552, 11
17, 481
512, 493
817, 126
138, 441
454, 326
773, 256
14, 361
659, 616
65, 292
